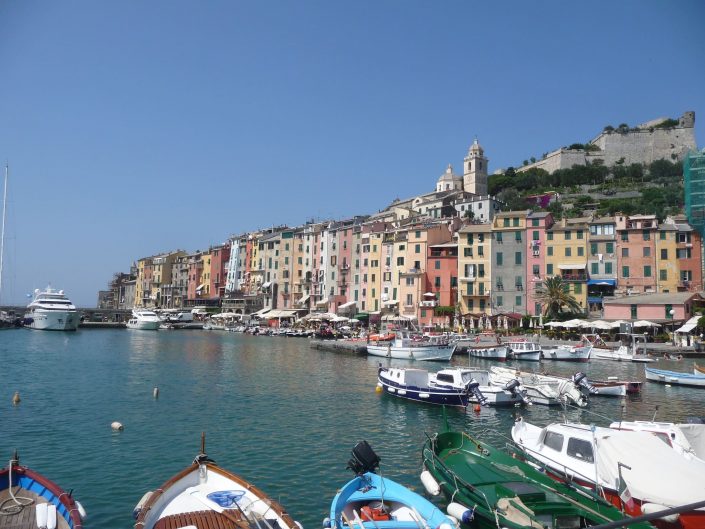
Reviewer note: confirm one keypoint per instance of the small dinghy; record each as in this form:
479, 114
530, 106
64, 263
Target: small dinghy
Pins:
28, 500
370, 501
205, 496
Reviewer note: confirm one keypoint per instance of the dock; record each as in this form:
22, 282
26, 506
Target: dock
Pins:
102, 325
340, 346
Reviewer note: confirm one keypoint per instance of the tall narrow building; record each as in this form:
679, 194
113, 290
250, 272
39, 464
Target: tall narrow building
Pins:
475, 170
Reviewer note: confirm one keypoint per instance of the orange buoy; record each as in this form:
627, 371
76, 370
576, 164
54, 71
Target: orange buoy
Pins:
477, 408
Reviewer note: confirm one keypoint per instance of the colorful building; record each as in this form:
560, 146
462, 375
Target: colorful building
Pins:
475, 269
636, 259
566, 255
537, 222
508, 269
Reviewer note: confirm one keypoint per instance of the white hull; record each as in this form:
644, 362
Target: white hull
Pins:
567, 353
143, 325
498, 352
55, 320
421, 352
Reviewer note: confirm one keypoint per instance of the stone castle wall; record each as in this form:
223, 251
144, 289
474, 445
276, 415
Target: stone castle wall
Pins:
639, 146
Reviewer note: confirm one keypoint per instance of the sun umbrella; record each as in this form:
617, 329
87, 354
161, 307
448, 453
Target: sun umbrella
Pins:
616, 324
645, 323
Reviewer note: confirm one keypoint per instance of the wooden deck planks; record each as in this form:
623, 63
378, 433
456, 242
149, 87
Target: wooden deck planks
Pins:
200, 519
26, 518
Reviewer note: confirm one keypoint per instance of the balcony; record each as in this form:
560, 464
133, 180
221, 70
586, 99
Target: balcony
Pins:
411, 272
574, 277
433, 303
467, 279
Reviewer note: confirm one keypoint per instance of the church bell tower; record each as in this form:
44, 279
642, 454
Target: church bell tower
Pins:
475, 170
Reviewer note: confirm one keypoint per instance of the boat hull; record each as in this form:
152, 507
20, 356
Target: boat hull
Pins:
143, 325
567, 353
54, 320
440, 353
675, 377
443, 396
498, 352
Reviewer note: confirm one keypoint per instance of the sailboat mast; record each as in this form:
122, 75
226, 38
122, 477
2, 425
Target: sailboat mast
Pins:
2, 231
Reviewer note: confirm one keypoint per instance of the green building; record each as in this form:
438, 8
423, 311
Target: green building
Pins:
694, 187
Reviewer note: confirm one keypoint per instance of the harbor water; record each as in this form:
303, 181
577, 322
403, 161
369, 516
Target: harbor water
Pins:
274, 410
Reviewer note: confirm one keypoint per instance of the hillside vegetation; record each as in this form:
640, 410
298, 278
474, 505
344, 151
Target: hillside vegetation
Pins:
654, 189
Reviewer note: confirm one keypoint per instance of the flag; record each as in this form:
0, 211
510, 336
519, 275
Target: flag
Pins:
624, 493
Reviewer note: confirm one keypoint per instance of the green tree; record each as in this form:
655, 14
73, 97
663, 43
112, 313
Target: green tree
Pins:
554, 294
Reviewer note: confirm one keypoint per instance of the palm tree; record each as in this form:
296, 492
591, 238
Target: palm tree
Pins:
555, 294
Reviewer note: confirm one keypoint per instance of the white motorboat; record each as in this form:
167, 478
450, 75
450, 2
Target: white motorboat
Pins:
145, 320
544, 389
614, 387
489, 352
523, 350
648, 473
632, 349
411, 346
51, 310
686, 439
570, 353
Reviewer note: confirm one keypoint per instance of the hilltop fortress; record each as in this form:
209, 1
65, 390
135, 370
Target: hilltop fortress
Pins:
657, 139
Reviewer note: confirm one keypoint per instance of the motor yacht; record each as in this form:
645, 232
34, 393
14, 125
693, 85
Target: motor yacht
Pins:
51, 310
143, 319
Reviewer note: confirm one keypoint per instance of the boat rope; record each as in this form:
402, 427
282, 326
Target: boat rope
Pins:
18, 502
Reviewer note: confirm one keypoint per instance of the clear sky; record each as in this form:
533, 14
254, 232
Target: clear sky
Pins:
137, 127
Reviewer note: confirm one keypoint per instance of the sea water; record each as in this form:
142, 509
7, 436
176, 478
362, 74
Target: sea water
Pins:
274, 411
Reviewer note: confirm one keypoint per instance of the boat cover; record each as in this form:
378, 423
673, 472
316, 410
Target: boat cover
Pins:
695, 433
416, 377
658, 474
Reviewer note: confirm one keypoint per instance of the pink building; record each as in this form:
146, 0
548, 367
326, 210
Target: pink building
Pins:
441, 289
636, 257
666, 309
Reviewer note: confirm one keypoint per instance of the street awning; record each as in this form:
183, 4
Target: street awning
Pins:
260, 312
689, 325
361, 316
391, 302
602, 282
267, 284
571, 266
304, 299
347, 305
200, 287
280, 314
322, 303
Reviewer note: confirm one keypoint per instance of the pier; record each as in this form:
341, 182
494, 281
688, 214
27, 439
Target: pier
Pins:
340, 346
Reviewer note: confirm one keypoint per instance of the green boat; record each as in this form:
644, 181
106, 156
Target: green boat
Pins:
490, 489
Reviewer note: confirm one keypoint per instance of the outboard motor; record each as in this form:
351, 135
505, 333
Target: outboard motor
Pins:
516, 389
581, 382
363, 458
474, 389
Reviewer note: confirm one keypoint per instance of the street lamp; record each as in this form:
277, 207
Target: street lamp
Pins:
673, 327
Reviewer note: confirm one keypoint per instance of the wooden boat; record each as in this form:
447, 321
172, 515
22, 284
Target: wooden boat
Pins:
489, 488
523, 350
453, 387
29, 500
675, 377
655, 476
409, 346
370, 501
205, 496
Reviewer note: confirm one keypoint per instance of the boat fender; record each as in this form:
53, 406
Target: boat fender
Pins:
81, 510
326, 523
298, 524
424, 395
117, 426
446, 526
650, 508
456, 523
430, 484
140, 504
461, 512
16, 398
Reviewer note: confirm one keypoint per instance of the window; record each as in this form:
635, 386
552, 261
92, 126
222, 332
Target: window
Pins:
578, 288
534, 222
646, 234
418, 234
515, 221
662, 235
517, 301
480, 237
554, 441
625, 236
594, 268
647, 271
518, 281
647, 251
469, 290
593, 248
581, 251
481, 270
568, 235
417, 248
579, 234
625, 271
500, 301
549, 269
417, 265
500, 259
506, 222
517, 258
608, 268
632, 311
409, 300
471, 305
549, 236
437, 282
568, 252
579, 449
480, 251
467, 252
535, 235
549, 250
437, 265
609, 247
535, 270
498, 237
664, 254
663, 275
481, 289
482, 305
625, 252
470, 238
517, 236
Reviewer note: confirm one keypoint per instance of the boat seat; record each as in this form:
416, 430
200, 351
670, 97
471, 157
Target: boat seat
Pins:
200, 520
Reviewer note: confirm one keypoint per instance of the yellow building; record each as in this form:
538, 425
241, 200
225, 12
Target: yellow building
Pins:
566, 255
374, 273
475, 268
667, 274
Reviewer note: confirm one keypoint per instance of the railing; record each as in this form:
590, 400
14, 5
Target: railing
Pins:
574, 277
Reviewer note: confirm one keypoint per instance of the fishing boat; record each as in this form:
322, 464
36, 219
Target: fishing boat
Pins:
546, 389
489, 488
29, 500
613, 387
632, 349
205, 496
453, 386
410, 346
675, 377
686, 439
635, 471
369, 501
566, 352
523, 350
496, 351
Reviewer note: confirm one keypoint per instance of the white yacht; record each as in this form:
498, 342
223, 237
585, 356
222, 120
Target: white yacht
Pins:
51, 310
146, 320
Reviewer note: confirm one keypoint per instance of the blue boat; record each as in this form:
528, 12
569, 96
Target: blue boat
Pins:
28, 499
370, 501
675, 377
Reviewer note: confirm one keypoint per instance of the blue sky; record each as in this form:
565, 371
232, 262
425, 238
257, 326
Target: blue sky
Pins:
133, 128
